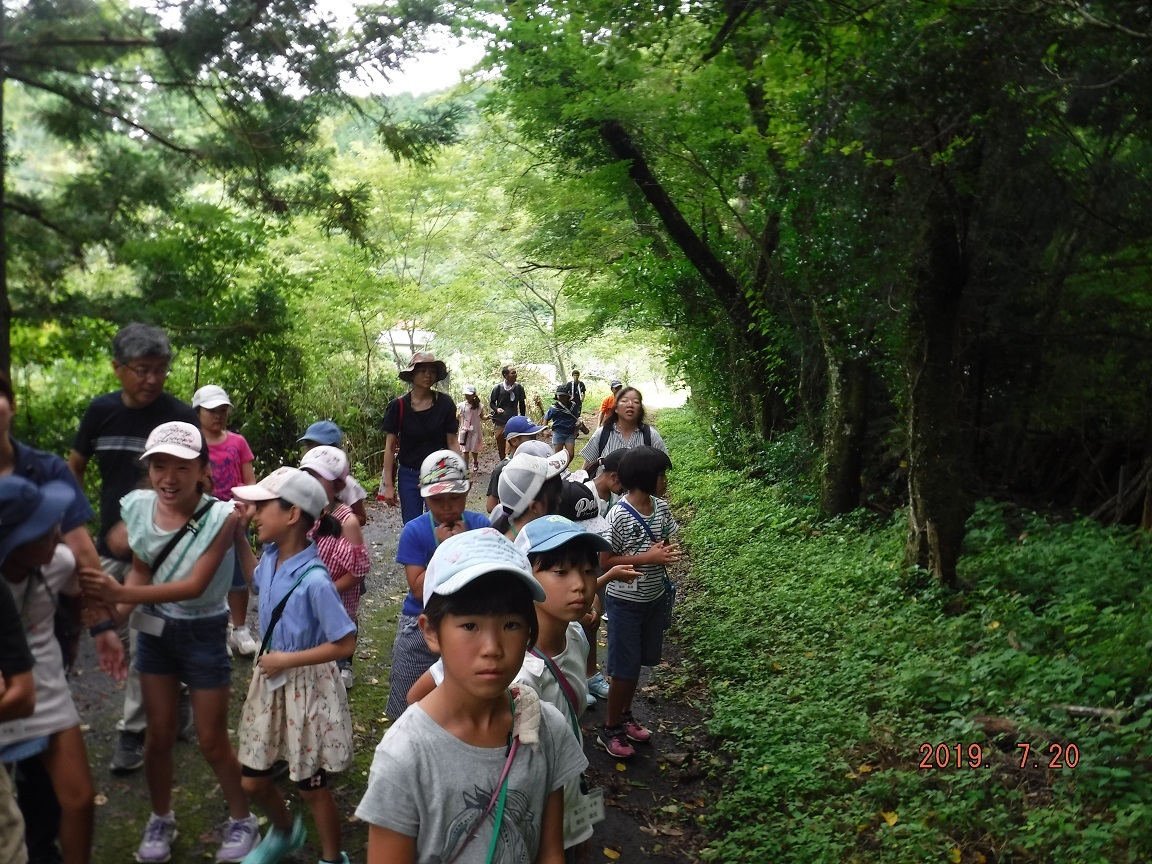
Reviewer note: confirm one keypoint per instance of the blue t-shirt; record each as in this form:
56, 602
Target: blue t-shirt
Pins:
40, 467
418, 542
313, 615
563, 419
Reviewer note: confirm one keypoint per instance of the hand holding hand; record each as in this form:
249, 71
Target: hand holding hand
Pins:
99, 585
623, 573
664, 553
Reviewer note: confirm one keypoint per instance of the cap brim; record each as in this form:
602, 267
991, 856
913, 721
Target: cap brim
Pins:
448, 487
172, 450
215, 403
56, 497
568, 535
469, 574
255, 492
535, 430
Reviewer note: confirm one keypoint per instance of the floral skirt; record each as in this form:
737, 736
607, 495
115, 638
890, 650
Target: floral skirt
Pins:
306, 722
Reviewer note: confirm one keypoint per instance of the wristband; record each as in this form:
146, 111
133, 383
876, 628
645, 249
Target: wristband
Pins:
102, 627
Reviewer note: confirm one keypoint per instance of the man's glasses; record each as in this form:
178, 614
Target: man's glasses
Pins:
156, 373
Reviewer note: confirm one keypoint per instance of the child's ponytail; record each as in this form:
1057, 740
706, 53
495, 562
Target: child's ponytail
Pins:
328, 526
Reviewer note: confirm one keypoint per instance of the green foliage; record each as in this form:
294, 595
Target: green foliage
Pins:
830, 667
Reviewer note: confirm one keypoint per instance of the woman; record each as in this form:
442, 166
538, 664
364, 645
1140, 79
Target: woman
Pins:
624, 430
416, 424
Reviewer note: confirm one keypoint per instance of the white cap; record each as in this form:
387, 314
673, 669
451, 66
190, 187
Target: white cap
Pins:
331, 463
535, 447
443, 472
522, 478
469, 389
175, 438
211, 396
462, 558
291, 484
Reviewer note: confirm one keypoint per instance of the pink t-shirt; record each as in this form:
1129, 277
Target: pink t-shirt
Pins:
227, 458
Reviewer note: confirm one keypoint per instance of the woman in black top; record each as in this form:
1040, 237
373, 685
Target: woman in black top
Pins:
419, 422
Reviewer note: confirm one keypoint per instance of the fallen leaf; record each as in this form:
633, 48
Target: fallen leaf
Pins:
100, 800
889, 817
611, 853
864, 769
620, 766
993, 625
954, 856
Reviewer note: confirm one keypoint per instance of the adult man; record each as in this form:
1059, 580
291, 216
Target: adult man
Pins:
113, 430
576, 390
507, 400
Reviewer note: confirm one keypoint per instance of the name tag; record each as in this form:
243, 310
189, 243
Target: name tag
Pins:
586, 813
140, 620
275, 682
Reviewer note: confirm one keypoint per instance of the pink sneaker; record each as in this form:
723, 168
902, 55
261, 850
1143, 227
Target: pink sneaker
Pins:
615, 741
634, 731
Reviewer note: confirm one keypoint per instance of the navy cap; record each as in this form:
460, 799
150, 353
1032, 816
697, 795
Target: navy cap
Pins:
323, 432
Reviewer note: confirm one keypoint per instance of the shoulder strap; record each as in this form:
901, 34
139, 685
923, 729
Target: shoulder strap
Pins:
605, 431
278, 612
565, 687
176, 538
643, 522
646, 434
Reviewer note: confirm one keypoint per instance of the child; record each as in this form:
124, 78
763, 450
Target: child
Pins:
530, 487
296, 709
38, 569
564, 419
231, 459
641, 525
518, 430
471, 415
604, 488
325, 432
565, 560
338, 538
17, 700
182, 566
474, 766
444, 485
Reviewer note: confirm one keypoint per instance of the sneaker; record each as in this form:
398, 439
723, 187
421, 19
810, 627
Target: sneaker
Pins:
590, 700
241, 640
347, 677
598, 686
614, 740
634, 730
156, 845
276, 844
240, 838
343, 859
129, 755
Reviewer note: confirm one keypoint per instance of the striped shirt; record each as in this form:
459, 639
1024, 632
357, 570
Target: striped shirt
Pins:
615, 441
629, 537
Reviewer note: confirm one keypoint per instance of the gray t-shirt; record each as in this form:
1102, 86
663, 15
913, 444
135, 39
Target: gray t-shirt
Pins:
428, 784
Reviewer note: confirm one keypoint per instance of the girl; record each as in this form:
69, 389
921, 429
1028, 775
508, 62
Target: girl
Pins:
471, 415
416, 424
624, 430
296, 709
182, 567
440, 771
338, 537
231, 459
39, 570
530, 487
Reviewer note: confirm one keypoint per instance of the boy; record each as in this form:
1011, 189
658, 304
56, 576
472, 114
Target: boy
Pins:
444, 486
641, 525
564, 419
517, 431
603, 488
440, 770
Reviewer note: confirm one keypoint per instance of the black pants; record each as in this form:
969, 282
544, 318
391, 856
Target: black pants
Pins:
41, 810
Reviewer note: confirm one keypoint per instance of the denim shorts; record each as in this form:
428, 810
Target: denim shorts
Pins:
558, 438
635, 636
238, 583
194, 650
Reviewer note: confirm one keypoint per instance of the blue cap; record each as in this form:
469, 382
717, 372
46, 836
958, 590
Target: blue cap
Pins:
520, 425
28, 511
549, 532
323, 432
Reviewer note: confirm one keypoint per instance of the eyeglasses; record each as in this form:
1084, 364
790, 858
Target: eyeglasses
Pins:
156, 373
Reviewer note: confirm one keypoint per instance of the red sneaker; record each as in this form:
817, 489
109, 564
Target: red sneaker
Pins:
615, 741
634, 731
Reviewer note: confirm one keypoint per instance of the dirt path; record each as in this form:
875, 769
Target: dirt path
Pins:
654, 801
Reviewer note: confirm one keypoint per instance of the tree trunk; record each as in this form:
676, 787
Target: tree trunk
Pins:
939, 504
845, 422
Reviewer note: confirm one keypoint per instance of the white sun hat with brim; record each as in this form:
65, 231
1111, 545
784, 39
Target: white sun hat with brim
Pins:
524, 475
179, 439
297, 487
211, 396
331, 463
463, 558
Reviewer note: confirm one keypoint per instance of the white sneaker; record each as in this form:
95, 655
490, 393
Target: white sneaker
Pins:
241, 640
240, 838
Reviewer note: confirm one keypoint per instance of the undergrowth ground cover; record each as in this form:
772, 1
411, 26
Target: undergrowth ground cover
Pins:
869, 716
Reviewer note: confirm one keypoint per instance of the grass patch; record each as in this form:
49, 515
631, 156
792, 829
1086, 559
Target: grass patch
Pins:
831, 667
